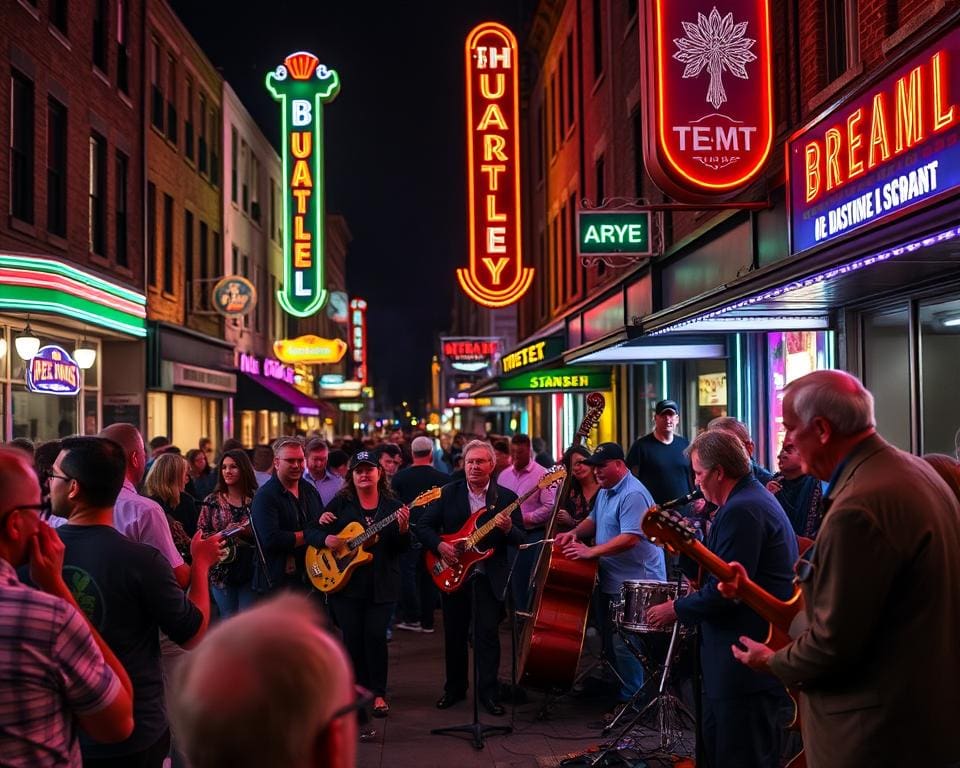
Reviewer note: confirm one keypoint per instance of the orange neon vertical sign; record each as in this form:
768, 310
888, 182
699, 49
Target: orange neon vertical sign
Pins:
495, 276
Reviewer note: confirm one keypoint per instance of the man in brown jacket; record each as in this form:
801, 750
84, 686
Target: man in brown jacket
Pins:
878, 662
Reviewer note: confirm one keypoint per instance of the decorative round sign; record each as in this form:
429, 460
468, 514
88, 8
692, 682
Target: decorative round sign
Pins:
234, 296
53, 372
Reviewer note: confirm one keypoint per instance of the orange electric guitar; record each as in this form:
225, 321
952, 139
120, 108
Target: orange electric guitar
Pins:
672, 532
449, 576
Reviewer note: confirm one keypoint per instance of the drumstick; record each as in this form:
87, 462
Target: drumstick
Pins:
536, 543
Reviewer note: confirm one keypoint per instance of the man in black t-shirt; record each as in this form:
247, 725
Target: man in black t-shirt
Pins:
127, 590
418, 594
658, 459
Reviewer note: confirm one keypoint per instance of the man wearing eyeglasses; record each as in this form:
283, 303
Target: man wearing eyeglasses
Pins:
281, 509
127, 589
236, 703
54, 667
877, 664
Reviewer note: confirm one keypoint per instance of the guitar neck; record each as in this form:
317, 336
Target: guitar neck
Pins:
776, 611
378, 526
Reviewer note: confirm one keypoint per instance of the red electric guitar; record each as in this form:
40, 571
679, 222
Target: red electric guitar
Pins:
449, 576
672, 532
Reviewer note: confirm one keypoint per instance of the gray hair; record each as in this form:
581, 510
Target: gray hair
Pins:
836, 396
732, 425
720, 448
480, 445
287, 442
234, 704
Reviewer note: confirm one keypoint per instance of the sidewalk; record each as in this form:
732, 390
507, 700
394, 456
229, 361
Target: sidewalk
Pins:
416, 682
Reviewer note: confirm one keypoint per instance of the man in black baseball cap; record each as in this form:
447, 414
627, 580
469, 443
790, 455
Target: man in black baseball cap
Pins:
622, 549
658, 459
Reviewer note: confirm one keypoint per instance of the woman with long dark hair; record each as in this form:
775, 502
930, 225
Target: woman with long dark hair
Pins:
583, 488
228, 507
363, 607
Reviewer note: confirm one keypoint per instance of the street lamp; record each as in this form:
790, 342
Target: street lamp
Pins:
85, 354
27, 343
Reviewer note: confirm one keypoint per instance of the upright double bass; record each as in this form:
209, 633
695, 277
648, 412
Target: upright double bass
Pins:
553, 632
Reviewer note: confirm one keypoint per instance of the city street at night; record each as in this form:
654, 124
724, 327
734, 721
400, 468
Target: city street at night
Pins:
590, 363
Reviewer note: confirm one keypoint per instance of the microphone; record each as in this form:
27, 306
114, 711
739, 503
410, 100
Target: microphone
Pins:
695, 494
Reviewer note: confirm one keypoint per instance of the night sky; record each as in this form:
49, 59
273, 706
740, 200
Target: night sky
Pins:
395, 146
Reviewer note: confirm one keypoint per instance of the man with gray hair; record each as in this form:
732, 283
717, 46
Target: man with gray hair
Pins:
877, 661
743, 711
458, 500
742, 432
239, 701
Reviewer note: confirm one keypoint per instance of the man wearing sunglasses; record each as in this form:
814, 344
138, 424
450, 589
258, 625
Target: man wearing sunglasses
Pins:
877, 664
54, 667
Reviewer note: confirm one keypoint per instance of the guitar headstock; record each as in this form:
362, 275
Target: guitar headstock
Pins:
667, 530
554, 475
595, 405
426, 497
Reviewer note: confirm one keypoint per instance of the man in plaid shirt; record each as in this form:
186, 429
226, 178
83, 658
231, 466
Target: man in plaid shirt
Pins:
55, 670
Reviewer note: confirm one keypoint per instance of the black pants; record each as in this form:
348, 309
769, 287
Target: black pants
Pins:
364, 626
418, 597
457, 616
746, 731
152, 757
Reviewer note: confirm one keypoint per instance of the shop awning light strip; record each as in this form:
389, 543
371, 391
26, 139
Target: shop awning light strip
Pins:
841, 270
36, 284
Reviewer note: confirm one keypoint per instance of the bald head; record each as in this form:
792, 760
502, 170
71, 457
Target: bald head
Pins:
130, 439
835, 396
20, 489
261, 689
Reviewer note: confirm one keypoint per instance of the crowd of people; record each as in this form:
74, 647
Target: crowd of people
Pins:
110, 554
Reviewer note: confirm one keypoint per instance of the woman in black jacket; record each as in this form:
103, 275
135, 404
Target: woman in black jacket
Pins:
362, 608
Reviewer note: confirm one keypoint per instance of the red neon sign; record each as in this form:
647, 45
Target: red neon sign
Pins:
708, 106
495, 276
358, 339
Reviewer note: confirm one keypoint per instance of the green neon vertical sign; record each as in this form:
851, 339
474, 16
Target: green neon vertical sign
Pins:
302, 86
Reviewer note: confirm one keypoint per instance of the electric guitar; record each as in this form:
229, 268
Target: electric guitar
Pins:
449, 576
330, 569
672, 532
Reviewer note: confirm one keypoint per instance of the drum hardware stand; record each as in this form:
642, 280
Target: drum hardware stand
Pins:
638, 653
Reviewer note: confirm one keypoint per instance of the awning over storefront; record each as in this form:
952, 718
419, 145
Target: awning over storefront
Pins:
800, 293
259, 393
636, 348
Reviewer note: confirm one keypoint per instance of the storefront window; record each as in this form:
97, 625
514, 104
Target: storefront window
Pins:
707, 383
886, 371
193, 418
939, 351
91, 424
792, 354
42, 416
156, 415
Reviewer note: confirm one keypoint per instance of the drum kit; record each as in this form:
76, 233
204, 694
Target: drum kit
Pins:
629, 618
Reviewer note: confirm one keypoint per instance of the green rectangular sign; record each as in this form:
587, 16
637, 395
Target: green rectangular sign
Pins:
557, 380
600, 232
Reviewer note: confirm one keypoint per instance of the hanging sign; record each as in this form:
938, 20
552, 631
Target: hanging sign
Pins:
302, 86
234, 296
613, 232
338, 307
310, 350
470, 353
894, 147
358, 339
556, 380
532, 354
708, 97
53, 372
495, 276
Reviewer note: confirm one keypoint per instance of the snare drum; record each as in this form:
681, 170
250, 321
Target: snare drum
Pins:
636, 598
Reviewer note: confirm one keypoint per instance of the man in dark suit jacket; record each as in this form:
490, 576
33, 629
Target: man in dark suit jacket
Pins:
458, 501
877, 664
743, 710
